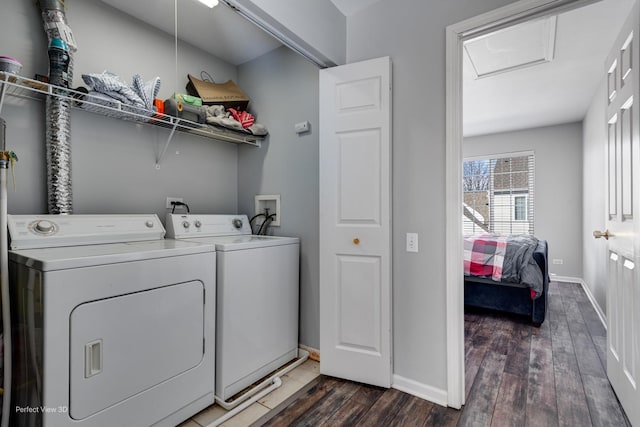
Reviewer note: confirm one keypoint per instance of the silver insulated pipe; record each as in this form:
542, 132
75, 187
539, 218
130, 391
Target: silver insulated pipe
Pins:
58, 110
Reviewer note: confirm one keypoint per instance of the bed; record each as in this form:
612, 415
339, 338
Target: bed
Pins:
494, 279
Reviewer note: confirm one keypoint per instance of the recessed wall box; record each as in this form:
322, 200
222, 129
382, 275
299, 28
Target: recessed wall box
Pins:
270, 202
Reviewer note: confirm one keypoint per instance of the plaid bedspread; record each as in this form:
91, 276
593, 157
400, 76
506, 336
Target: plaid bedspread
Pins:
504, 259
484, 256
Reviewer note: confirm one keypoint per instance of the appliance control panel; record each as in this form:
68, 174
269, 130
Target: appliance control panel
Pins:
49, 231
180, 226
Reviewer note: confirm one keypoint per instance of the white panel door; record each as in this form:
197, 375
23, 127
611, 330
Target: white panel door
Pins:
623, 219
355, 221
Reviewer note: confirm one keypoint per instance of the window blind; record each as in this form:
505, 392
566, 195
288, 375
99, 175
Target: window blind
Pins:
499, 194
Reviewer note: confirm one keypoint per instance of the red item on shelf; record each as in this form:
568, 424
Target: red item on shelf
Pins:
245, 119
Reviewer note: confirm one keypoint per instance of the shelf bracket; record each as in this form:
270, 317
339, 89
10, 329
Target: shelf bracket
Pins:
166, 144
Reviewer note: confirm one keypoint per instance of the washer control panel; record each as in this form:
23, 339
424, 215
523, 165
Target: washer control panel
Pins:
181, 226
49, 231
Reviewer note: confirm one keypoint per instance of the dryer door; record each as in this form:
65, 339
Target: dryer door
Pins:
125, 345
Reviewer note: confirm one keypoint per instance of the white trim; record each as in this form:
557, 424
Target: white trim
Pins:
423, 391
587, 290
453, 227
455, 35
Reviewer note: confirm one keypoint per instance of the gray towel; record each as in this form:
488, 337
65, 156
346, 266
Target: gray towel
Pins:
111, 85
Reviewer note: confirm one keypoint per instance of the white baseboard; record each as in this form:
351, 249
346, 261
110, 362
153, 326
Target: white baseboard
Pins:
406, 385
587, 291
422, 391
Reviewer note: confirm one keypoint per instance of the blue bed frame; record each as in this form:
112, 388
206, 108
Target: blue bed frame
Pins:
511, 297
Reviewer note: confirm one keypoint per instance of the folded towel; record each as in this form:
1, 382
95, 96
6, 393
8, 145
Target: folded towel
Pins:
111, 85
140, 94
147, 91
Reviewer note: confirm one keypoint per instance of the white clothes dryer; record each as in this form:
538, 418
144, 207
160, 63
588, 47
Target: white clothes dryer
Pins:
257, 297
112, 325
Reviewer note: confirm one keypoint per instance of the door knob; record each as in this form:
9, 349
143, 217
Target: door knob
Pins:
356, 241
598, 234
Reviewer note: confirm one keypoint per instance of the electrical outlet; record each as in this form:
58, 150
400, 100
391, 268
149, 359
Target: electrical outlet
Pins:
412, 242
173, 199
558, 261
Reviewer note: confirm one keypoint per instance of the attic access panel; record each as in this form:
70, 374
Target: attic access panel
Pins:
512, 48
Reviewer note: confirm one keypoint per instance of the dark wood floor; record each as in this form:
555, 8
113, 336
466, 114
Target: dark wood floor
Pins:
516, 375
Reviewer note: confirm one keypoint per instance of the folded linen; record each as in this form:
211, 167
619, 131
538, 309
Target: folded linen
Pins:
110, 84
140, 94
217, 115
147, 91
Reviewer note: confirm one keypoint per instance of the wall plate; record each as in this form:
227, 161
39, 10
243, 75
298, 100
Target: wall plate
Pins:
271, 202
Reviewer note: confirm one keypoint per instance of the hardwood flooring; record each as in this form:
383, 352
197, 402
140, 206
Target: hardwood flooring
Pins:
516, 375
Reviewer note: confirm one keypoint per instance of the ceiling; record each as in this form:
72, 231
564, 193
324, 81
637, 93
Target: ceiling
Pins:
349, 7
219, 31
555, 92
549, 93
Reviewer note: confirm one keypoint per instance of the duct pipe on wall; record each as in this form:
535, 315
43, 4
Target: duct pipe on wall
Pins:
4, 281
58, 116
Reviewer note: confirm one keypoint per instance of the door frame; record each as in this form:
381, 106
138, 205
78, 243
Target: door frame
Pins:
456, 35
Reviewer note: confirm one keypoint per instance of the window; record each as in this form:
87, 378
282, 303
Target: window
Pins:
499, 194
520, 208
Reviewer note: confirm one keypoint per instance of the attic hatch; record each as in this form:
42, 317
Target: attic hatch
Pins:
519, 46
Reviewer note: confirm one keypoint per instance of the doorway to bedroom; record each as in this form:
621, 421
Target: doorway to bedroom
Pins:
539, 108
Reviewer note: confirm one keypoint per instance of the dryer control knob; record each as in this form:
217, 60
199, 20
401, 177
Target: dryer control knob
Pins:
237, 223
149, 224
185, 224
198, 224
44, 227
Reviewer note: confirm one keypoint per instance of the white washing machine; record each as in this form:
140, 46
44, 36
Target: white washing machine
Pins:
257, 297
112, 324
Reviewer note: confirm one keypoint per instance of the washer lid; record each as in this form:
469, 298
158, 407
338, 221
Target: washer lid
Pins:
49, 259
236, 243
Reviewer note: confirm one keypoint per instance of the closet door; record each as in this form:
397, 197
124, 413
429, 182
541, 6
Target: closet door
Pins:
355, 222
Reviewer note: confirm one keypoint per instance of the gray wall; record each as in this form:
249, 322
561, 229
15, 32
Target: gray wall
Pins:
558, 185
114, 161
594, 202
283, 88
412, 33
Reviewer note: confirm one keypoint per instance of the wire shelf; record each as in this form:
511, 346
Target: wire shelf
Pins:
19, 87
